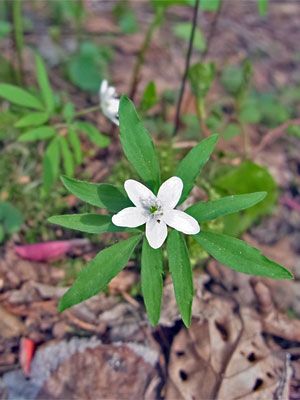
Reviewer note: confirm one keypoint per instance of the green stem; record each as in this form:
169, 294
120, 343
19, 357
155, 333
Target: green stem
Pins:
142, 53
201, 113
18, 37
247, 146
88, 110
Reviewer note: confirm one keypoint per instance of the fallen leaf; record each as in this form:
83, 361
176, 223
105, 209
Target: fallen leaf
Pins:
48, 250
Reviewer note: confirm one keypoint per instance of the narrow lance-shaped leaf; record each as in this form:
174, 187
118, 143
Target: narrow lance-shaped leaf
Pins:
44, 84
99, 272
32, 119
76, 146
180, 268
50, 165
240, 256
93, 134
89, 223
152, 285
190, 167
100, 195
138, 145
20, 97
66, 156
149, 98
206, 211
41, 133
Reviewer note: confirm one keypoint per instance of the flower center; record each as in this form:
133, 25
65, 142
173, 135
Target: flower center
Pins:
153, 209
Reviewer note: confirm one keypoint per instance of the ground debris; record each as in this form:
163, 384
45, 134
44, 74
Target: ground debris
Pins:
85, 368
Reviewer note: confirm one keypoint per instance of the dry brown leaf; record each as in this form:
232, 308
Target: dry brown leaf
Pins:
223, 355
10, 325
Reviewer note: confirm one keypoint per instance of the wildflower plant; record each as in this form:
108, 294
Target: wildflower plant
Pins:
43, 117
153, 204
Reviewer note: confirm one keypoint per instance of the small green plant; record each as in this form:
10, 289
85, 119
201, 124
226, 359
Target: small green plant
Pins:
11, 220
56, 124
154, 204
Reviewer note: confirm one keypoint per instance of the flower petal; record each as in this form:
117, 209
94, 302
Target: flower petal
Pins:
181, 221
156, 232
131, 217
103, 88
111, 92
170, 191
139, 194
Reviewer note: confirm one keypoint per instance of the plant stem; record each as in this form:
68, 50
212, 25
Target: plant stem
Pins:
18, 37
187, 66
201, 112
142, 53
247, 146
87, 110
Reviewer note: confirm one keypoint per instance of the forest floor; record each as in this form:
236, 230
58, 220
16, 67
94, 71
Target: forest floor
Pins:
244, 341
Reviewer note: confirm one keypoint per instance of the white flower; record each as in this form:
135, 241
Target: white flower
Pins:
109, 102
156, 211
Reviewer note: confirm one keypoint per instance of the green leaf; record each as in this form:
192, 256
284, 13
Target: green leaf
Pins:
250, 112
87, 67
240, 256
76, 146
180, 268
190, 167
201, 76
183, 31
5, 28
32, 119
20, 97
89, 223
67, 157
69, 112
232, 78
50, 165
44, 84
293, 130
230, 131
210, 5
152, 284
149, 98
169, 3
10, 218
138, 145
94, 135
42, 133
262, 7
99, 272
206, 211
246, 178
100, 195
126, 17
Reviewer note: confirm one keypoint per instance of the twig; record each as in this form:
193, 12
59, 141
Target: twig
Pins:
187, 65
212, 31
87, 110
142, 53
274, 134
282, 390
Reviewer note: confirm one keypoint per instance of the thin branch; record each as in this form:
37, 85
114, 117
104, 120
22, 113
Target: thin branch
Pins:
274, 134
187, 66
142, 53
